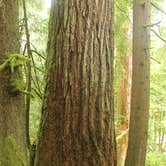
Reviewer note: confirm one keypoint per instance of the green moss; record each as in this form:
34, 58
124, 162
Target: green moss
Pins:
11, 154
15, 62
17, 84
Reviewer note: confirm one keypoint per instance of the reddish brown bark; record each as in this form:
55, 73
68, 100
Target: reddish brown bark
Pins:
78, 120
124, 97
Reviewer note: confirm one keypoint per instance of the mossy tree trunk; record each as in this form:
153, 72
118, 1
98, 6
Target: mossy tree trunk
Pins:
12, 115
138, 128
78, 121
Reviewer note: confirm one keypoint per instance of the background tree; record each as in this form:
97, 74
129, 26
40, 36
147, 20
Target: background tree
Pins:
77, 121
13, 148
122, 75
123, 110
138, 128
156, 134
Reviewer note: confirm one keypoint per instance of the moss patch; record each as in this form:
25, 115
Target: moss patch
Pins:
14, 62
11, 154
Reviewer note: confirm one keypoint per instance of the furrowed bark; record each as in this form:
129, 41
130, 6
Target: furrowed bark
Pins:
78, 120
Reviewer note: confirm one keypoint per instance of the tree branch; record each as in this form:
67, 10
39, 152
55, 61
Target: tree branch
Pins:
158, 8
158, 35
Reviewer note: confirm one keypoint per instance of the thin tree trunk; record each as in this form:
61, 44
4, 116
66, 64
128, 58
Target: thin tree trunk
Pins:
13, 148
124, 99
78, 121
29, 75
138, 128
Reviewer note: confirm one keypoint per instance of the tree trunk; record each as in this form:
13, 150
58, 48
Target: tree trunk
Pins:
12, 115
138, 129
78, 120
124, 98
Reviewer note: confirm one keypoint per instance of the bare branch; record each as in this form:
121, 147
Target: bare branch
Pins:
152, 25
164, 40
155, 60
158, 8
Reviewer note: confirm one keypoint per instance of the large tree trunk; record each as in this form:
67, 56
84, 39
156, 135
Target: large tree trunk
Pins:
138, 129
78, 121
12, 114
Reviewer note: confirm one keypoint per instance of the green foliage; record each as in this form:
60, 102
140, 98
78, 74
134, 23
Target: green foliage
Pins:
155, 159
157, 129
